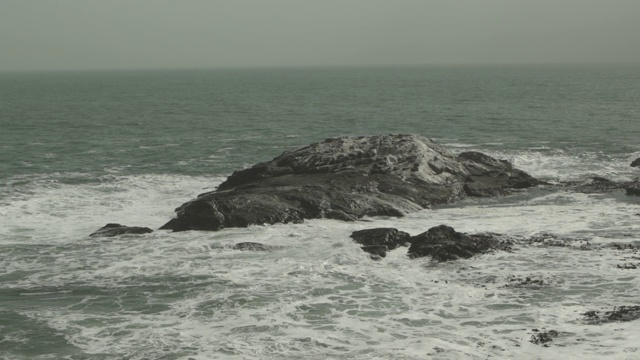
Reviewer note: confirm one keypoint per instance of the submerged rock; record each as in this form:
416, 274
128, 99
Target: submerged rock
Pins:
526, 282
543, 337
345, 179
117, 229
600, 185
618, 314
251, 246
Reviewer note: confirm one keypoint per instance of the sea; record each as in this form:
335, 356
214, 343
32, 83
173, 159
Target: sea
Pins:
80, 149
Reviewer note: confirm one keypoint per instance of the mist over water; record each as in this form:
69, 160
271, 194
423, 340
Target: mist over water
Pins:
81, 149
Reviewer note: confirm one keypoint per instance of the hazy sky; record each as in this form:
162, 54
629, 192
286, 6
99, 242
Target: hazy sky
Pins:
107, 34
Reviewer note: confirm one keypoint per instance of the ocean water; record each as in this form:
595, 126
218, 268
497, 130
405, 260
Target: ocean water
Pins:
82, 149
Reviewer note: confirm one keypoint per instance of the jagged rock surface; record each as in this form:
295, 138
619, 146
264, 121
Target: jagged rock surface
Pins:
348, 178
380, 240
110, 230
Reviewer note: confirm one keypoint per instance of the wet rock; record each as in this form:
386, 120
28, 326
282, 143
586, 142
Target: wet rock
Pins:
546, 239
251, 246
443, 243
492, 177
345, 179
600, 185
543, 337
627, 266
618, 314
380, 240
635, 163
618, 246
526, 282
117, 229
632, 188
377, 252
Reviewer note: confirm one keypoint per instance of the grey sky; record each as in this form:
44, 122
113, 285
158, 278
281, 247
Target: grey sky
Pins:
107, 34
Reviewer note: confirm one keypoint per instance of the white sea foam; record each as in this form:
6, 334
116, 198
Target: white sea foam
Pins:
562, 165
557, 164
56, 211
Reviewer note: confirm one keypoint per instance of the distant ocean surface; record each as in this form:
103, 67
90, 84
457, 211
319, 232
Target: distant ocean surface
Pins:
82, 149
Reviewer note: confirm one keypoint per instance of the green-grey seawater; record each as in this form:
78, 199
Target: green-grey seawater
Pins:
81, 149
213, 121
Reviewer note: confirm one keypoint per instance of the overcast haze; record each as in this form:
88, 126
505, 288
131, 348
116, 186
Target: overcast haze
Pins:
119, 34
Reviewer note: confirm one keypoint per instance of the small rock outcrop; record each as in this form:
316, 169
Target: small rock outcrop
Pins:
345, 179
380, 240
543, 337
618, 314
110, 230
443, 243
635, 163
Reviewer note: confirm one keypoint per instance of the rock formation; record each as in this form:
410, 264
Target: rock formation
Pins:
347, 178
117, 229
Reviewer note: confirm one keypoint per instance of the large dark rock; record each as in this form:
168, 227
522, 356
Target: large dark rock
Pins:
443, 243
117, 229
348, 178
635, 163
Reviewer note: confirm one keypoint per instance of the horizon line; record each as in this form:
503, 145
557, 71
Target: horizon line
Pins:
314, 66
